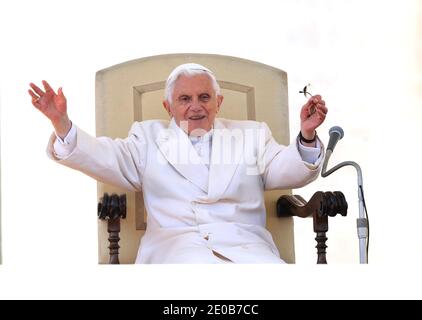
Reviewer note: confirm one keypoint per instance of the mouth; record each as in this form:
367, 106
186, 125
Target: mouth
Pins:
197, 118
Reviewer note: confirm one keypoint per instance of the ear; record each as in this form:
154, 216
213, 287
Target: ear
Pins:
166, 106
219, 102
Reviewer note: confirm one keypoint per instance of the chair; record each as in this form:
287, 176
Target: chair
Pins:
133, 91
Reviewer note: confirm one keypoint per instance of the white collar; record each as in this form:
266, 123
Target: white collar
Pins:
194, 139
202, 139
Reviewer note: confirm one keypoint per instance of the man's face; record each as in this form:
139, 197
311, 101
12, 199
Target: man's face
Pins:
194, 103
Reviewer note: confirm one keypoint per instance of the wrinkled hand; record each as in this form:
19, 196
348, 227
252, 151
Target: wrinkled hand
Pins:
312, 115
53, 106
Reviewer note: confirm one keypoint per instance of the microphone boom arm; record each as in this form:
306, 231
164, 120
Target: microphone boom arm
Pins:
325, 173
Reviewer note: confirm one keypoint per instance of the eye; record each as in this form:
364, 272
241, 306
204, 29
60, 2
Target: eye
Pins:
184, 99
204, 97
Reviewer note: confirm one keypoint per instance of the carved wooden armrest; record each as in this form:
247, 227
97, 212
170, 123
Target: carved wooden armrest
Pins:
321, 206
113, 208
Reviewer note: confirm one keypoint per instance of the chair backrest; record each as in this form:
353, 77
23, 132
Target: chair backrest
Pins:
133, 91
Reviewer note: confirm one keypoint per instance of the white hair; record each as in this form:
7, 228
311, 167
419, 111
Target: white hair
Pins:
190, 70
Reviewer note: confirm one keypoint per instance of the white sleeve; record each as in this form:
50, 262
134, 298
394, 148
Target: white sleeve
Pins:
286, 167
310, 154
117, 162
64, 147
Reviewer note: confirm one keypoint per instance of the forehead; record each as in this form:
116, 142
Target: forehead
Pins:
193, 84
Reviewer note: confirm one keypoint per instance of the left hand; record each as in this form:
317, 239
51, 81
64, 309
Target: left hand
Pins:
312, 115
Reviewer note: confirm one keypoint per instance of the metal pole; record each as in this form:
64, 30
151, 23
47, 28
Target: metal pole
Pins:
362, 222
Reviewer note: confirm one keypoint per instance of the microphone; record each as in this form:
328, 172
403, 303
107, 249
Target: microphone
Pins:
336, 134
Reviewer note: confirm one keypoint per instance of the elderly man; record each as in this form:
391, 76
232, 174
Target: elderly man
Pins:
203, 178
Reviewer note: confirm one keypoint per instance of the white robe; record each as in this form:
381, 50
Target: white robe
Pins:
195, 212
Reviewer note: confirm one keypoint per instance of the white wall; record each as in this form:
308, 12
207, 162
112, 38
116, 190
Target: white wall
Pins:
362, 56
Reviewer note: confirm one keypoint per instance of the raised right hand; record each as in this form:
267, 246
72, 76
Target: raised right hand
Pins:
53, 106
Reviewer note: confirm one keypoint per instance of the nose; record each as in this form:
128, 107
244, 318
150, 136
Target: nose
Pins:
195, 105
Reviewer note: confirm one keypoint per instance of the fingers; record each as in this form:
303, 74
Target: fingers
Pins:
47, 87
323, 108
38, 94
315, 99
60, 93
321, 112
321, 115
314, 109
314, 103
35, 99
33, 95
36, 89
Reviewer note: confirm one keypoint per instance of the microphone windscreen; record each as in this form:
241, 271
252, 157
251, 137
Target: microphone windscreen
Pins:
337, 130
336, 133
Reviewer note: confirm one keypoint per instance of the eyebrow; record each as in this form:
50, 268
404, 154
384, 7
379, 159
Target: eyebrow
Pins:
189, 95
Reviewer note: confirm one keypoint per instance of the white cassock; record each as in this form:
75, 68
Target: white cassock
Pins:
198, 212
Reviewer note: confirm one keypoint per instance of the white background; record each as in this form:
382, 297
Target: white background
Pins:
362, 56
